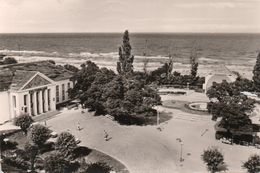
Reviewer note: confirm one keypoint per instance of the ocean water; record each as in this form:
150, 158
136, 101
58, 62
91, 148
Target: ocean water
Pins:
102, 48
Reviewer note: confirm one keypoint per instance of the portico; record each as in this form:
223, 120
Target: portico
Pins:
37, 96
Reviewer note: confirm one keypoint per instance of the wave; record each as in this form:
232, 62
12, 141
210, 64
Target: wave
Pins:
108, 59
28, 53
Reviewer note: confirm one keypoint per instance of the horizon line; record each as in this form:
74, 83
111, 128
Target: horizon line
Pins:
130, 32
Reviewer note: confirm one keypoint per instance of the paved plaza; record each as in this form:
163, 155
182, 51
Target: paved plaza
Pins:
145, 149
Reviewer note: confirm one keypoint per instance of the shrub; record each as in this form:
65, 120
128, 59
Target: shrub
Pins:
17, 158
39, 163
32, 151
9, 60
39, 134
48, 146
213, 158
65, 143
98, 167
24, 122
16, 162
252, 164
55, 163
80, 152
71, 68
8, 145
51, 61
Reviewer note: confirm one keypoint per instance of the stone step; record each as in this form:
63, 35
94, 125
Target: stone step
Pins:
45, 116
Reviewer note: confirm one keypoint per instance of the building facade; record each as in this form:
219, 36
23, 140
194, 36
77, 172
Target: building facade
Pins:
31, 92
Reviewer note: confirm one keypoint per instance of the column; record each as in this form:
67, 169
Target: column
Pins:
29, 104
46, 100
34, 103
40, 102
52, 99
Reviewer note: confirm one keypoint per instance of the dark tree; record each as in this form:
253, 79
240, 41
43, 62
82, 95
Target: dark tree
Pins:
256, 72
71, 68
252, 164
51, 61
39, 134
194, 64
214, 159
231, 106
92, 98
24, 122
98, 167
9, 60
55, 163
84, 78
32, 151
126, 59
65, 144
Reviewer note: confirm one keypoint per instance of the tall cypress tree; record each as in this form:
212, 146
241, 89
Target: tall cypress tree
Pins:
125, 64
194, 63
256, 72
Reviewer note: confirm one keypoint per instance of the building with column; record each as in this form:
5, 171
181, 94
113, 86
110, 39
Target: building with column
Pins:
32, 88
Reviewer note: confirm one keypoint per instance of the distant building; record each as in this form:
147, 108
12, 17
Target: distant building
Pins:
32, 88
218, 76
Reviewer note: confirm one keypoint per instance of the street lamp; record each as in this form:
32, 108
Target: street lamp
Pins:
180, 141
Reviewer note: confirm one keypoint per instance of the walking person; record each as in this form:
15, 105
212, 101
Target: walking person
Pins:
106, 135
78, 126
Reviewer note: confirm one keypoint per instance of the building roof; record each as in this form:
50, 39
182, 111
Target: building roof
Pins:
54, 72
15, 76
6, 78
20, 78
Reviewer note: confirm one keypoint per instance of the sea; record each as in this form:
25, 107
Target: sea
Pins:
231, 50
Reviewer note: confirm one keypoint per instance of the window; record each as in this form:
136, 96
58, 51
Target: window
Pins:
63, 91
57, 94
25, 103
68, 86
25, 100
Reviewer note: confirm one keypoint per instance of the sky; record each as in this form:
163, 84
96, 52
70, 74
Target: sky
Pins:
214, 16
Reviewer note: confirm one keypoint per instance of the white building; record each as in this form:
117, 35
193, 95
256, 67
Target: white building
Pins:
218, 76
32, 88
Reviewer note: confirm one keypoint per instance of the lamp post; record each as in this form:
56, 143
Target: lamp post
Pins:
181, 143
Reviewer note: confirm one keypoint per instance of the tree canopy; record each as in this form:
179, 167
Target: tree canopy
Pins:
233, 107
65, 144
39, 134
252, 164
256, 72
214, 159
24, 122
